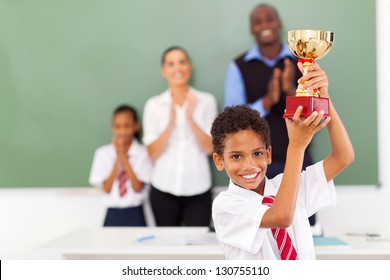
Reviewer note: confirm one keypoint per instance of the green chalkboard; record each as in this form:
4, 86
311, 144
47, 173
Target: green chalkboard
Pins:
65, 64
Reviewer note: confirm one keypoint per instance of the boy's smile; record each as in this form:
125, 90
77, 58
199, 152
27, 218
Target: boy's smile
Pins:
250, 178
245, 159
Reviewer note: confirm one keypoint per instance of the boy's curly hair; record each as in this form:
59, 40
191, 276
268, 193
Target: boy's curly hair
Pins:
234, 119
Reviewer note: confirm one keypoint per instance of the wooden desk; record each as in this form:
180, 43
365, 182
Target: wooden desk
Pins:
191, 243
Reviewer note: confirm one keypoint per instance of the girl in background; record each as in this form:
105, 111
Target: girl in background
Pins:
122, 170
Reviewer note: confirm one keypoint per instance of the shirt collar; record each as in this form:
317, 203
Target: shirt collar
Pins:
166, 95
254, 54
269, 189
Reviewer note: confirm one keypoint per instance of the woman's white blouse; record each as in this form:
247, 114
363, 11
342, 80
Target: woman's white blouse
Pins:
183, 167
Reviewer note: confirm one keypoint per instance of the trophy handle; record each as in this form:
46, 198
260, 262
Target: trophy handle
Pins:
304, 92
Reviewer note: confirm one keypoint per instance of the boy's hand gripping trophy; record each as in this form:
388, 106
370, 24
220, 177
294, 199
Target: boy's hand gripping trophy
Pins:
308, 45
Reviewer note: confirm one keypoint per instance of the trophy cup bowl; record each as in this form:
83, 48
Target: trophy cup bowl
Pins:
308, 45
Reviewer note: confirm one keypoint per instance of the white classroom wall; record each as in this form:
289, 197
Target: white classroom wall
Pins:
31, 217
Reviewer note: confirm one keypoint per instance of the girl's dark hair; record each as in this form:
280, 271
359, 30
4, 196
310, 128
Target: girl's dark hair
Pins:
234, 119
128, 109
173, 48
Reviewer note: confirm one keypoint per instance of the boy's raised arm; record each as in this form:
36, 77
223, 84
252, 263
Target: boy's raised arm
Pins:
300, 133
342, 153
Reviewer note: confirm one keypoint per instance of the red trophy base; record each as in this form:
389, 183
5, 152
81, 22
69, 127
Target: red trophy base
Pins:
309, 104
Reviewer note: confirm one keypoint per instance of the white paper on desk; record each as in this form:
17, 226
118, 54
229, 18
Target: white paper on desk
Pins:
204, 239
381, 238
194, 239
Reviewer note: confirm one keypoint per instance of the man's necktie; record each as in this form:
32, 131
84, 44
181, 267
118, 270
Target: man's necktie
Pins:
285, 246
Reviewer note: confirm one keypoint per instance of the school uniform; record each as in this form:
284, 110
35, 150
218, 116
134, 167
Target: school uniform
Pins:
243, 86
237, 215
122, 210
181, 178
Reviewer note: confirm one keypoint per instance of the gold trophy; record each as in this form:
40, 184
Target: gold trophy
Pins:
308, 45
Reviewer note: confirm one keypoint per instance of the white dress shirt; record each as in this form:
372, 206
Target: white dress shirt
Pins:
237, 214
103, 164
183, 168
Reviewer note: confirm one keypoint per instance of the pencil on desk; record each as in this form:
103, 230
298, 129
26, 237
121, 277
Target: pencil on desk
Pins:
146, 237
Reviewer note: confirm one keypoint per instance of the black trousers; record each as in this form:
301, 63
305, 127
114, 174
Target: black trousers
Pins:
171, 210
